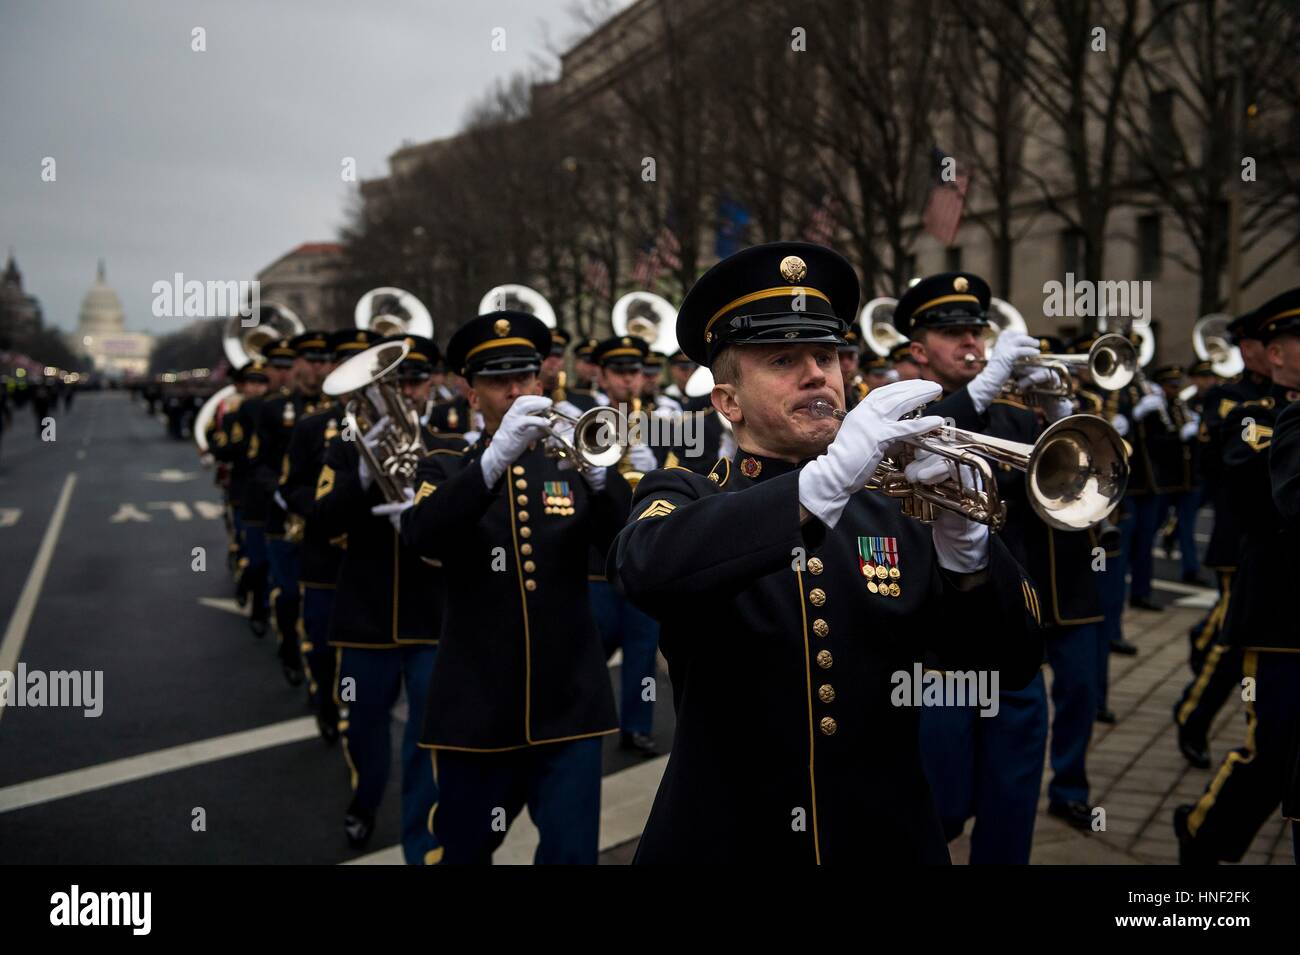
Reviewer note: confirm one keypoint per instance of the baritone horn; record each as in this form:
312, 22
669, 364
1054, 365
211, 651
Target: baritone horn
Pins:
394, 457
247, 343
389, 311
1075, 473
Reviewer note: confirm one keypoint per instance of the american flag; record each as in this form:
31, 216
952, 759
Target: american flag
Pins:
946, 203
668, 248
821, 227
596, 275
646, 268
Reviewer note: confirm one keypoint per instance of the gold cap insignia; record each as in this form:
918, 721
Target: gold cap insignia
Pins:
361, 336
960, 283
793, 268
410, 343
502, 327
627, 341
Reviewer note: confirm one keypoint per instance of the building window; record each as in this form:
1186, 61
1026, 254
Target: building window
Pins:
1072, 253
1149, 251
952, 259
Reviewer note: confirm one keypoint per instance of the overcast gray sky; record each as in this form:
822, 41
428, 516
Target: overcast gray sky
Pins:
214, 164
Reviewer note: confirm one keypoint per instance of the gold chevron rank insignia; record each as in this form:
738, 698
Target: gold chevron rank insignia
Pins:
425, 490
657, 508
325, 483
1031, 600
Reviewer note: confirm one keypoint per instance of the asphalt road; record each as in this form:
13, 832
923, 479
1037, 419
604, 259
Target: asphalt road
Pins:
195, 714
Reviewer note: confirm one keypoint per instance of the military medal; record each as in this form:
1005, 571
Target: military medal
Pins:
871, 585
880, 571
557, 498
895, 590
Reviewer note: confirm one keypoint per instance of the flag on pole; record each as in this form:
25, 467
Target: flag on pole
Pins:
946, 202
596, 275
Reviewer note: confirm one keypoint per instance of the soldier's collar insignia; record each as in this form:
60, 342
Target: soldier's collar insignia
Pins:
751, 467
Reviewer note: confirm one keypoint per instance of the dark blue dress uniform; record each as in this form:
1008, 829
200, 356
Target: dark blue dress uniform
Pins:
450, 417
1284, 467
384, 625
990, 768
1254, 778
520, 694
229, 445
1215, 662
276, 419
751, 600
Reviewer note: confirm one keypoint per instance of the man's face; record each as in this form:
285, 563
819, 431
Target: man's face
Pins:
907, 370
877, 378
848, 364
649, 384
461, 385
585, 369
620, 383
254, 389
768, 408
492, 395
1284, 359
417, 392
277, 377
1171, 388
941, 353
1203, 383
1254, 358
551, 366
682, 374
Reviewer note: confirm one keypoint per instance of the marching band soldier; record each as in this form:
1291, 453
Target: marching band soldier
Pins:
276, 418
1216, 663
520, 695
452, 418
321, 557
780, 572
257, 494
621, 625
384, 625
990, 767
1284, 467
1253, 779
680, 369
849, 351
228, 444
553, 366
1173, 453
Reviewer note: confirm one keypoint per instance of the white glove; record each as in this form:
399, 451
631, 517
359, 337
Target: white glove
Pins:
826, 483
986, 385
371, 440
279, 501
1054, 409
1189, 430
1120, 424
961, 545
1033, 376
394, 511
595, 478
1148, 404
642, 458
521, 425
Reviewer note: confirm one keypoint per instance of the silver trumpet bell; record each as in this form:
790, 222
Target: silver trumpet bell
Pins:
591, 440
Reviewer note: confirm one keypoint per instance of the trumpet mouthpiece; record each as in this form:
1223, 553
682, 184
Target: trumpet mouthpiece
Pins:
821, 408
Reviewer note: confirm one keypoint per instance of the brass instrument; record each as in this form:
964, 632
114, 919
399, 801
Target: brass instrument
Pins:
391, 311
1112, 361
647, 316
878, 331
393, 461
1075, 473
593, 442
631, 475
208, 412
1212, 343
518, 298
245, 343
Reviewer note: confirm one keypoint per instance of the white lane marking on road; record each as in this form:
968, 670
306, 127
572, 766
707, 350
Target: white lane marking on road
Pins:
78, 781
227, 604
1198, 601
1174, 587
9, 516
21, 619
625, 800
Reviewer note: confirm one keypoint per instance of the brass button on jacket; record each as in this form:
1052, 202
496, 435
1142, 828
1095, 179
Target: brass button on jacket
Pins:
817, 596
826, 693
829, 726
824, 659
815, 565
821, 627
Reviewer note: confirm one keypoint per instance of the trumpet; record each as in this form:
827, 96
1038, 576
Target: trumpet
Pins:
1112, 361
588, 441
393, 461
1075, 473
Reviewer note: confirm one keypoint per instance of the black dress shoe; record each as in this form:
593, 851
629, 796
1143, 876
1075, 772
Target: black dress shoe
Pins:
1105, 716
1123, 647
328, 727
358, 825
1189, 853
292, 675
1073, 813
258, 626
639, 742
1144, 603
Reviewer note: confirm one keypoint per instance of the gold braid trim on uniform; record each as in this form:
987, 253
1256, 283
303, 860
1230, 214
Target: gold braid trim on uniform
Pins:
1246, 754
